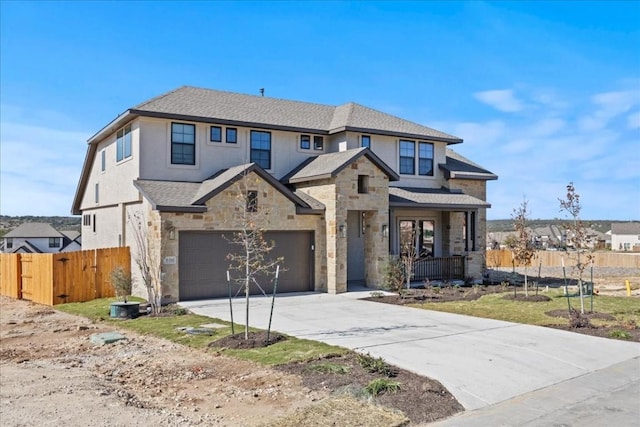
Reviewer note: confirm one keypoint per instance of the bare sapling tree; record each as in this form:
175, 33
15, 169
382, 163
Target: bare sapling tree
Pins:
148, 257
121, 282
523, 248
408, 250
577, 238
251, 259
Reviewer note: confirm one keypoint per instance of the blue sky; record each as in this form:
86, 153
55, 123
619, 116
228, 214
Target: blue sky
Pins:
543, 93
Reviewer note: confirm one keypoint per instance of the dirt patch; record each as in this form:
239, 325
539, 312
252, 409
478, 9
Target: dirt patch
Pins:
344, 375
254, 340
52, 375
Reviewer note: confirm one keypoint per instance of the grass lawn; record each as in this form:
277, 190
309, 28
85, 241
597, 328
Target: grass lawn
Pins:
494, 306
166, 326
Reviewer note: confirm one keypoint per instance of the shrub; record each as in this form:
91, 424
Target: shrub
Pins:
394, 277
382, 385
375, 365
330, 368
121, 282
620, 334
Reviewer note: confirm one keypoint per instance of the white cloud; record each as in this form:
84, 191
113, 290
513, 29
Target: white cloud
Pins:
609, 105
503, 100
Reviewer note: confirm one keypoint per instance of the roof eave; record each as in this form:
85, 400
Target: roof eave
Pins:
226, 122
398, 134
181, 209
473, 175
440, 206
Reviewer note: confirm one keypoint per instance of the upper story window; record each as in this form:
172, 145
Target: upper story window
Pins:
216, 134
54, 242
123, 143
318, 143
232, 136
183, 144
365, 141
261, 148
425, 158
363, 184
305, 142
407, 157
86, 219
103, 160
9, 242
97, 192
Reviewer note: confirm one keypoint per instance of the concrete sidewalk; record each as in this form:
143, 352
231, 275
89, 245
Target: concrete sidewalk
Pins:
482, 362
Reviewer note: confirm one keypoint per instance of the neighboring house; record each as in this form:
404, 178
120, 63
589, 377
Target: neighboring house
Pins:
339, 183
625, 236
39, 237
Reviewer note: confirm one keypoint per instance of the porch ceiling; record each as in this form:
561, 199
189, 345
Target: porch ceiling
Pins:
433, 198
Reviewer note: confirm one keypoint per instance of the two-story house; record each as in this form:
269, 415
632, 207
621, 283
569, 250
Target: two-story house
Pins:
40, 237
625, 236
341, 185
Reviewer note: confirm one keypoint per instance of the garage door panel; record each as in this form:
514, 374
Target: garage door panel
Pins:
204, 264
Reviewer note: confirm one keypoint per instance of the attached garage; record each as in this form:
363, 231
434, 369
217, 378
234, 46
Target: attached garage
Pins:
203, 263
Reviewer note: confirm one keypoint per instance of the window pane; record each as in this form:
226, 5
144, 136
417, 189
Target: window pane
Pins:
127, 141
103, 160
427, 230
425, 161
216, 134
261, 148
407, 165
305, 142
318, 143
183, 144
365, 141
407, 148
119, 145
232, 135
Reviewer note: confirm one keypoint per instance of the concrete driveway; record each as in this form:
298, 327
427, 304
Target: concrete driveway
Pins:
481, 361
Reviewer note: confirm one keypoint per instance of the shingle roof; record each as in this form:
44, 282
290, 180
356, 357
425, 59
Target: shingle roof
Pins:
229, 107
625, 228
329, 165
33, 230
175, 196
458, 166
433, 198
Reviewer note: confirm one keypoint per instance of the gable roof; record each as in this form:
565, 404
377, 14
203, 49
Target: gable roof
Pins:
24, 247
625, 228
458, 166
433, 198
33, 230
172, 196
329, 165
215, 106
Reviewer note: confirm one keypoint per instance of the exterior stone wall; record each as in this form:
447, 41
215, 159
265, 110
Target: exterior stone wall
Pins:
340, 195
277, 212
476, 262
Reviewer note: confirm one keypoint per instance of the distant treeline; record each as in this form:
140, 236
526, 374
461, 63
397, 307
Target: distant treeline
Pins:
497, 225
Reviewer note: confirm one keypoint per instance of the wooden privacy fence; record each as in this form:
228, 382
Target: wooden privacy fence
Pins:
63, 277
503, 258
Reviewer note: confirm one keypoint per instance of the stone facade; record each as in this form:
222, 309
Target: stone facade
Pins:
340, 195
277, 212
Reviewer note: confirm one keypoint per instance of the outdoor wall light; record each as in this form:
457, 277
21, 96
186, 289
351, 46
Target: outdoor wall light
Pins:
342, 230
385, 230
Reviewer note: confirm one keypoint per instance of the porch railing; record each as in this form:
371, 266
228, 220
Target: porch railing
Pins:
443, 268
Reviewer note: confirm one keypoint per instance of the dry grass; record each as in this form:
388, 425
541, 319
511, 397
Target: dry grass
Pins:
353, 413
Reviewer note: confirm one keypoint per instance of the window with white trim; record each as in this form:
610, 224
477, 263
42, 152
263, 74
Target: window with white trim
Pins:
305, 142
123, 143
425, 158
231, 136
215, 134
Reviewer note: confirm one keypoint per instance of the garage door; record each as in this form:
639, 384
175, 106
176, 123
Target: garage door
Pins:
203, 263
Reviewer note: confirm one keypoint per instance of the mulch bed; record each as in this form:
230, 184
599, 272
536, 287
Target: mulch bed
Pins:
439, 294
421, 399
528, 298
255, 340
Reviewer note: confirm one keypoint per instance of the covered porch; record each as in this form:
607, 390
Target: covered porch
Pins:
441, 228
